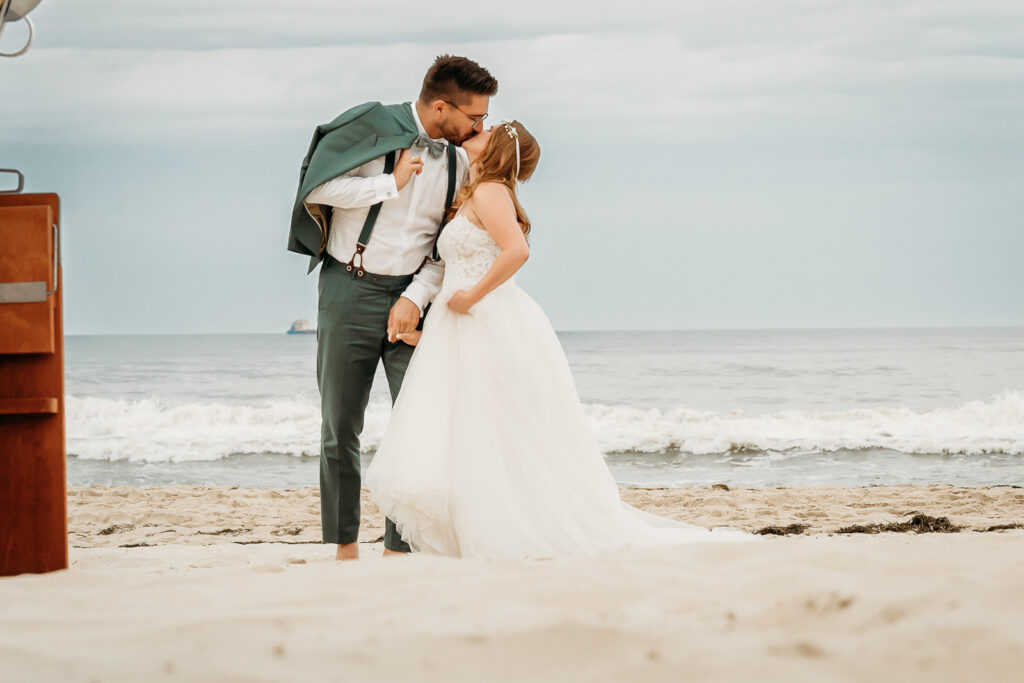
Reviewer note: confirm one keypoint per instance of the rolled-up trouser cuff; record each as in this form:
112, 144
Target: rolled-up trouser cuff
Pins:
393, 539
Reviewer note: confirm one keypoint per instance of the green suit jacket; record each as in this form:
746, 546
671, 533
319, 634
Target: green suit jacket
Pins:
349, 141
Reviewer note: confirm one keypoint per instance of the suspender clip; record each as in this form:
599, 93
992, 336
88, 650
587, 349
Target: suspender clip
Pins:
351, 267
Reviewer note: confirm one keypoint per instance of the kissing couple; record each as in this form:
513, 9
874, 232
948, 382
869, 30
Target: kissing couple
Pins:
488, 452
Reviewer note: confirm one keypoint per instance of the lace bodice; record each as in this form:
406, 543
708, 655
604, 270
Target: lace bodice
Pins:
468, 253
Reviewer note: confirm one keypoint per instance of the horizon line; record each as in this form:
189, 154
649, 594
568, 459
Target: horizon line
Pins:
625, 329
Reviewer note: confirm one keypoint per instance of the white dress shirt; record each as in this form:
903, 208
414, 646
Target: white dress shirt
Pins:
407, 224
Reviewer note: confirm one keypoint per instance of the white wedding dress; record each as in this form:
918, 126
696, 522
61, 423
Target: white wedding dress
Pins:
488, 452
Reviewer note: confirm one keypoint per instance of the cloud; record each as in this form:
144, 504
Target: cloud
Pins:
700, 71
760, 145
226, 24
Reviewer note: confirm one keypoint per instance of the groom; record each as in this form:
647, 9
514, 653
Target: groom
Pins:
373, 191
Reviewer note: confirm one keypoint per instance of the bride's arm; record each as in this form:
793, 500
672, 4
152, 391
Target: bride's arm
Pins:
493, 205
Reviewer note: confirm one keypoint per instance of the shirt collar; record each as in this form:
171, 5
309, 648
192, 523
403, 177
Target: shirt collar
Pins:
420, 128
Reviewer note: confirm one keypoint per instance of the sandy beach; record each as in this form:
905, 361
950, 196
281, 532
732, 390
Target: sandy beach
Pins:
119, 516
230, 584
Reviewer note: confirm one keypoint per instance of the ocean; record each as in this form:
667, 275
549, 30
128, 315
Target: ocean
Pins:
850, 407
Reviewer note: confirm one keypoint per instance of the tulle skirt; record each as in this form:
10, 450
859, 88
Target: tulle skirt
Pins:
488, 452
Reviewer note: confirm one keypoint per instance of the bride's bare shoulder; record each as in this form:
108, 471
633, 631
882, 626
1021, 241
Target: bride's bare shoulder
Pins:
492, 188
492, 195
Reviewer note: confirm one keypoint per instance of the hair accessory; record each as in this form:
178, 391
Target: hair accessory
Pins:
514, 134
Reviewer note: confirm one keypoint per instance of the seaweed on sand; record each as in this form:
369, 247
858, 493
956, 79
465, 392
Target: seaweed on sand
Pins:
919, 524
782, 530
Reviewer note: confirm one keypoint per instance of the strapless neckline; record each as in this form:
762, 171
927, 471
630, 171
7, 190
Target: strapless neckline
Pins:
467, 250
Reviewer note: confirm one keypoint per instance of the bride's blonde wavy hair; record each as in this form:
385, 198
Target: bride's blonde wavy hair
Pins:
497, 164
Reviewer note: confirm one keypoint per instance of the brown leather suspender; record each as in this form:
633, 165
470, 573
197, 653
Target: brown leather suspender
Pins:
371, 216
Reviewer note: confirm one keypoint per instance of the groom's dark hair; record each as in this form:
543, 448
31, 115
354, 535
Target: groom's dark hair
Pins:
449, 76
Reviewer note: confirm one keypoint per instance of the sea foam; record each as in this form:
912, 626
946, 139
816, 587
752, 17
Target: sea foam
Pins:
152, 430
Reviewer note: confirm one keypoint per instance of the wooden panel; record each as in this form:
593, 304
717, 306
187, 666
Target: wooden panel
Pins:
33, 495
33, 489
27, 406
26, 255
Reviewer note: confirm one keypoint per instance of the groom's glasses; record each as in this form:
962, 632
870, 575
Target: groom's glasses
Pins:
477, 120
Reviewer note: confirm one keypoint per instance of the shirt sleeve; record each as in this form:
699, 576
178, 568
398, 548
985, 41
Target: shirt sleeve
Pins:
352, 191
425, 284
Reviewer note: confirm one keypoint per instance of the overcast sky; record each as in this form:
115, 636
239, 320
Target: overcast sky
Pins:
720, 164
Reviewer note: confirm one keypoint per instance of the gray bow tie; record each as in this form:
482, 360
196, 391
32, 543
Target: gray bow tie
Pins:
435, 148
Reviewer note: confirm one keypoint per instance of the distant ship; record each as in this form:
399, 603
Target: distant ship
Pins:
301, 326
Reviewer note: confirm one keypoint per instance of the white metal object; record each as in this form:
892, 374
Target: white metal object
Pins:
15, 10
21, 181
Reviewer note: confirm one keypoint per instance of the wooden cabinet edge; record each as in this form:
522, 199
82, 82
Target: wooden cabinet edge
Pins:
28, 406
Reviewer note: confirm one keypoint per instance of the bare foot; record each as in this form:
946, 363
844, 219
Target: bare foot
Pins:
347, 551
388, 551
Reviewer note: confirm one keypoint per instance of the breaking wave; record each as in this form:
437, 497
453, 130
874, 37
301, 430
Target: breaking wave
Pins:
153, 430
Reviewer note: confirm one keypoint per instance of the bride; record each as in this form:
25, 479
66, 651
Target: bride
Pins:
488, 452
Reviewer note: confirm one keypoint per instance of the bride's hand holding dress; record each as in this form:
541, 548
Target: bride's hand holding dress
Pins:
491, 207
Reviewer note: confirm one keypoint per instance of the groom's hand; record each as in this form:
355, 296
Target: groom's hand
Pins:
408, 164
404, 317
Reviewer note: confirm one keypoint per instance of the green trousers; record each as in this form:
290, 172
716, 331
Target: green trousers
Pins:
351, 339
